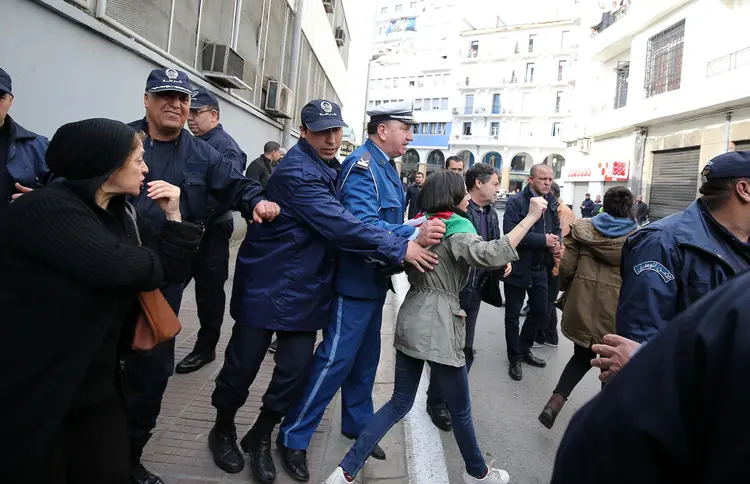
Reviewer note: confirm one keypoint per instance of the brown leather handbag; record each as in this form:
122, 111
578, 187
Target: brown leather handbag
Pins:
157, 322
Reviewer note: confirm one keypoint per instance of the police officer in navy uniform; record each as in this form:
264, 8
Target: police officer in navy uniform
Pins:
370, 188
211, 265
670, 264
22, 165
300, 248
210, 186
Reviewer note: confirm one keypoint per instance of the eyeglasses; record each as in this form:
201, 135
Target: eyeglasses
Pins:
196, 112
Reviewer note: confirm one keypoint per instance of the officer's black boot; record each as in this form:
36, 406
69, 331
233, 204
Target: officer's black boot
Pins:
258, 445
222, 440
138, 473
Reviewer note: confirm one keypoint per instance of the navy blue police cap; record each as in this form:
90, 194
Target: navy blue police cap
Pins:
320, 115
162, 80
734, 164
202, 97
5, 83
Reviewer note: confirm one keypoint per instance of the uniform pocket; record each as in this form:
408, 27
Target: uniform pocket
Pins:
459, 333
194, 193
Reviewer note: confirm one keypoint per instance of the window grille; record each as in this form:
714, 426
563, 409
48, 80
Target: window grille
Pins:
664, 60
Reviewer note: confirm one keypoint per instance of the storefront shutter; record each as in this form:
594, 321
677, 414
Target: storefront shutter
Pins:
674, 181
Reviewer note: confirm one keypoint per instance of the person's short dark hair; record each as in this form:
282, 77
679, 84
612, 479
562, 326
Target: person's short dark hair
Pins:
536, 168
270, 147
618, 202
588, 194
419, 173
480, 171
555, 190
441, 192
717, 192
451, 159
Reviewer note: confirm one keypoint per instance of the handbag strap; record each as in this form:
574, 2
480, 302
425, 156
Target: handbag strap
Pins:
131, 211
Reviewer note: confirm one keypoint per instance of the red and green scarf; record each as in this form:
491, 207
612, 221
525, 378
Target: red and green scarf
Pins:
454, 223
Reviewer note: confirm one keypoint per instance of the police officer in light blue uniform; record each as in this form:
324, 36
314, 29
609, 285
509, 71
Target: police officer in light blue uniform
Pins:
370, 188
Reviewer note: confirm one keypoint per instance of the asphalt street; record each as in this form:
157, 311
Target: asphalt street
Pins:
505, 411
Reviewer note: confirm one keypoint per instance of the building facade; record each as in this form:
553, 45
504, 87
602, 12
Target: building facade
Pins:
659, 94
512, 98
84, 58
413, 58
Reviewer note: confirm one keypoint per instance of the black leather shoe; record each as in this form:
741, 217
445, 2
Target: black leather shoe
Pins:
141, 475
532, 360
441, 417
515, 370
223, 445
295, 462
377, 453
194, 362
261, 460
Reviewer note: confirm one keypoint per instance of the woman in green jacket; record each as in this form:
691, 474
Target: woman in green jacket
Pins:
431, 328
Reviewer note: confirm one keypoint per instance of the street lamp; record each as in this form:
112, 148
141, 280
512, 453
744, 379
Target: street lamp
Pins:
367, 94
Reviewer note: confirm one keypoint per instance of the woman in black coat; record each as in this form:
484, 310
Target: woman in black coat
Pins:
70, 268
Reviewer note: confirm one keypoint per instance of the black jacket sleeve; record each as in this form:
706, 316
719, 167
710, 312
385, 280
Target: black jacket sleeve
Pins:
176, 246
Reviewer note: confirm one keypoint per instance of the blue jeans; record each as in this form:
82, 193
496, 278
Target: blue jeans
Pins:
454, 383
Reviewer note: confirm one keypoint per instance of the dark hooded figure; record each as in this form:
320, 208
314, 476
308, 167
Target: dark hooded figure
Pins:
72, 258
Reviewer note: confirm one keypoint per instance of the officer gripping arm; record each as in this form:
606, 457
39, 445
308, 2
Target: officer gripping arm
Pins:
649, 293
235, 192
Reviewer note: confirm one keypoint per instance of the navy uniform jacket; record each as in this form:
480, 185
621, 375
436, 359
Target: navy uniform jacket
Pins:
26, 163
283, 280
374, 195
668, 265
674, 413
209, 184
535, 256
411, 201
227, 146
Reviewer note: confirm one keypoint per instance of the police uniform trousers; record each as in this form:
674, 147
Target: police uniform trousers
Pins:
144, 380
519, 345
348, 359
243, 358
210, 272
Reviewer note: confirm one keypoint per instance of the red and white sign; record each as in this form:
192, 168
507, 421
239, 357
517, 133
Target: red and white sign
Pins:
606, 171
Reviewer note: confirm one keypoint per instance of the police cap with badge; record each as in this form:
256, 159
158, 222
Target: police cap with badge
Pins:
168, 80
399, 111
735, 164
320, 115
202, 98
5, 83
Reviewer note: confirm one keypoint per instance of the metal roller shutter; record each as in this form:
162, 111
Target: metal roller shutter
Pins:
674, 181
579, 194
742, 145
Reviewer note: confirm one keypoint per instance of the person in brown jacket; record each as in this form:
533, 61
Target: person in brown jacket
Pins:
548, 334
590, 275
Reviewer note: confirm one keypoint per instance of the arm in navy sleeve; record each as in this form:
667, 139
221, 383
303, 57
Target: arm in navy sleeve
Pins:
320, 209
231, 189
648, 299
234, 157
359, 197
512, 217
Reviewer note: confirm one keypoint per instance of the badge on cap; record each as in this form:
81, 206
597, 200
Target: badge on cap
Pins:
326, 106
171, 73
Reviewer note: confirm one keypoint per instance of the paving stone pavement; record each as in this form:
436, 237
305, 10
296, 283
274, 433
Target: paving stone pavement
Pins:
178, 450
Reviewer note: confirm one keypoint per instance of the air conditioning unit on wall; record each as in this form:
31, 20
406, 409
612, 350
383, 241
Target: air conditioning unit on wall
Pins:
329, 5
340, 36
584, 145
279, 99
222, 65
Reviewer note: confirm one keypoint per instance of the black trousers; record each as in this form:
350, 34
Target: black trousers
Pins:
549, 333
577, 367
210, 272
144, 380
435, 397
520, 344
91, 447
244, 355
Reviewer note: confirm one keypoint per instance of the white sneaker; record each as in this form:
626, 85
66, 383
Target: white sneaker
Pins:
494, 476
337, 477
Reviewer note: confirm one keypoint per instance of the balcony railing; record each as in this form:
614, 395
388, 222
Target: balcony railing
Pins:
735, 60
610, 17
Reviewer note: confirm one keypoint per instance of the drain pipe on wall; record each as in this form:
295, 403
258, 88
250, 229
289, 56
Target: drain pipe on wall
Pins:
728, 133
292, 75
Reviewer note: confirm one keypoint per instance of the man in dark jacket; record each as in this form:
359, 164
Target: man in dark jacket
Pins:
536, 252
22, 166
210, 186
412, 207
641, 210
672, 414
211, 266
302, 246
587, 207
262, 167
670, 264
483, 184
